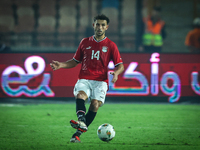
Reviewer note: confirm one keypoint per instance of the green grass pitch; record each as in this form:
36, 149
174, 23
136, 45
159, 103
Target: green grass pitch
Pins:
137, 126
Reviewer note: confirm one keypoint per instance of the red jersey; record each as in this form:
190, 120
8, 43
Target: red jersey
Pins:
95, 56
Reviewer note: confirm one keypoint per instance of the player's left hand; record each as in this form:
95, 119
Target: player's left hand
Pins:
115, 77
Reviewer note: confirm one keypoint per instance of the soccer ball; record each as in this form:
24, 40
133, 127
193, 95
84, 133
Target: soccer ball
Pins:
106, 132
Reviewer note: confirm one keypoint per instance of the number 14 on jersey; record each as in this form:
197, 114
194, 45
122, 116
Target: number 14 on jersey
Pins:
95, 55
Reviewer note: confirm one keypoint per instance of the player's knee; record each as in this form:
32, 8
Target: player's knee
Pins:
95, 104
81, 95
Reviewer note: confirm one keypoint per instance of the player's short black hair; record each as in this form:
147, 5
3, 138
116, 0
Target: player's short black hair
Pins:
102, 17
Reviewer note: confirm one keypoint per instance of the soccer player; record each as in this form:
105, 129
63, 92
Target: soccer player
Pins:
94, 53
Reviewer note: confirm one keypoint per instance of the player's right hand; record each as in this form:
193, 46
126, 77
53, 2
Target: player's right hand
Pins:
55, 65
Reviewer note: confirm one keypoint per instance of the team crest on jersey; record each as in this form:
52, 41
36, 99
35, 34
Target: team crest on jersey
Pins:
104, 49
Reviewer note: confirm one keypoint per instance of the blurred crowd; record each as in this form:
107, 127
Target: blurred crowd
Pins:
192, 40
25, 24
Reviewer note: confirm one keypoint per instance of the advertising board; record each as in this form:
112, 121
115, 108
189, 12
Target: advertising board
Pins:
148, 75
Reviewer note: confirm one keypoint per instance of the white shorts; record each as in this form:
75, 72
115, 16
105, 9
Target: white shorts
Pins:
94, 89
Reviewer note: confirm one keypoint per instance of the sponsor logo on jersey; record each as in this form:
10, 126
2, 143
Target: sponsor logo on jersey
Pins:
104, 49
88, 47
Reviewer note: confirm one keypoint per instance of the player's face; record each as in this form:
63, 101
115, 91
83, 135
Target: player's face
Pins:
100, 27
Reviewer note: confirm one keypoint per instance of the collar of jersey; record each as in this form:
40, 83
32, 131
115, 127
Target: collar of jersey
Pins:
100, 40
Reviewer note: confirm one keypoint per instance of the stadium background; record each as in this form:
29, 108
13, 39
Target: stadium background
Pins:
52, 29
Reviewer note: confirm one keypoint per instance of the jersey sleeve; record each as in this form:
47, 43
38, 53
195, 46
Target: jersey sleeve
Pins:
78, 55
116, 57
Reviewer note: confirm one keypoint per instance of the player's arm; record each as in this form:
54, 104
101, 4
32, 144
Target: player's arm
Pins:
55, 65
119, 69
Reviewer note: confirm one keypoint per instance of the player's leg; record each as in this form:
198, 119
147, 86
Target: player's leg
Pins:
80, 111
94, 106
81, 93
98, 98
80, 105
91, 114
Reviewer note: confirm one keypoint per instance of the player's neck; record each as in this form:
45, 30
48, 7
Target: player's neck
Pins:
99, 38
